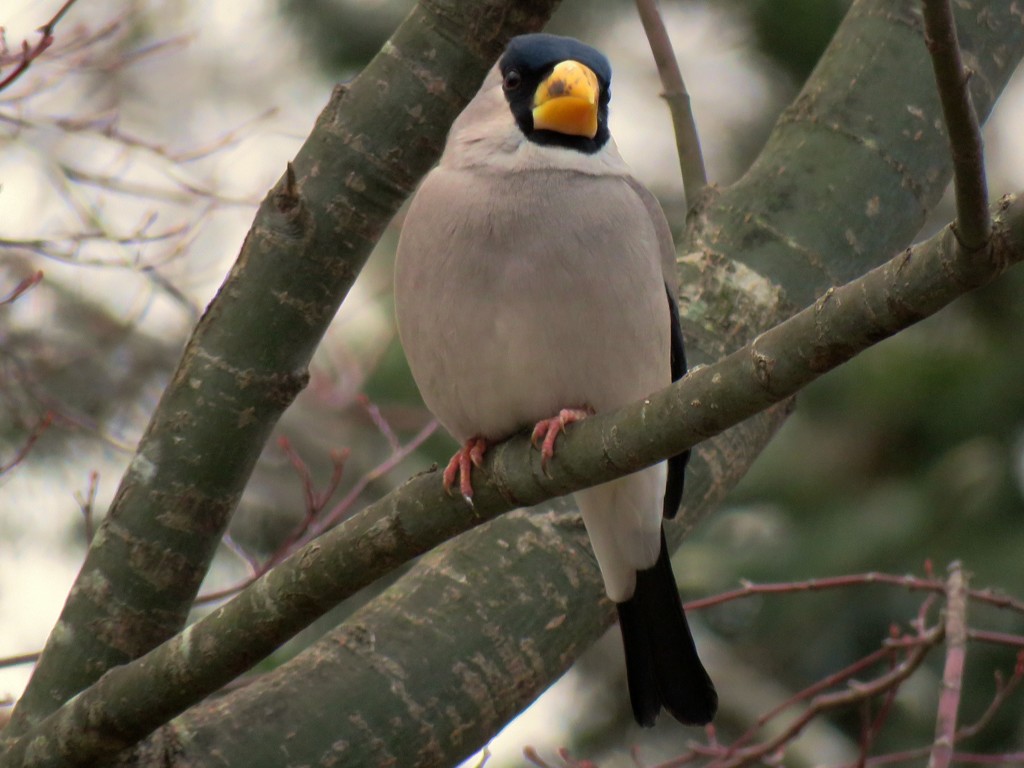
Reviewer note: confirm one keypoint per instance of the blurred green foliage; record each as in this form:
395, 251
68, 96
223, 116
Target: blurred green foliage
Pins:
794, 33
343, 36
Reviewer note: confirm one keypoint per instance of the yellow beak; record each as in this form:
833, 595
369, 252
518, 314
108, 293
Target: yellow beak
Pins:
567, 101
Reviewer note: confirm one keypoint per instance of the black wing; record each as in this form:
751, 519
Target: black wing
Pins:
676, 464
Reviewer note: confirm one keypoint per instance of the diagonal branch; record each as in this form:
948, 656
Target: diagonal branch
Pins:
120, 709
248, 356
33, 52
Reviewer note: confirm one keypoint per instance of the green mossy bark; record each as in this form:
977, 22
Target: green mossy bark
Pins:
847, 176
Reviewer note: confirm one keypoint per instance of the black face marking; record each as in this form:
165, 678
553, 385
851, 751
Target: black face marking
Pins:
527, 61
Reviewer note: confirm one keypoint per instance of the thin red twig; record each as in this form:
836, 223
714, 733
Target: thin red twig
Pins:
1003, 692
998, 638
31, 53
381, 423
315, 500
830, 701
27, 284
748, 589
315, 521
344, 507
847, 673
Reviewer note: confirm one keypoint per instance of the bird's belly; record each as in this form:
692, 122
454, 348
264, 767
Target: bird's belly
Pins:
540, 342
515, 312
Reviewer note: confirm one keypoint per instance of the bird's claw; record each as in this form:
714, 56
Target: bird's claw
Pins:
470, 455
546, 432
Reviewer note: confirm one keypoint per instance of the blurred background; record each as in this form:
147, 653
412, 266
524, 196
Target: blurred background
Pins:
132, 155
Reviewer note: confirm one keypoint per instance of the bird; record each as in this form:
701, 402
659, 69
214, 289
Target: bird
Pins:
533, 287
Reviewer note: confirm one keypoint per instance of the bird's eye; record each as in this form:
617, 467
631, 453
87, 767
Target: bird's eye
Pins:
512, 80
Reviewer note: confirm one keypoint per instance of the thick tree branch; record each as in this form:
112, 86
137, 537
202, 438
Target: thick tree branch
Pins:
853, 166
122, 707
247, 358
965, 144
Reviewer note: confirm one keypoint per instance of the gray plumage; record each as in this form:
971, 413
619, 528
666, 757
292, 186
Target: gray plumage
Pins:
529, 281
531, 278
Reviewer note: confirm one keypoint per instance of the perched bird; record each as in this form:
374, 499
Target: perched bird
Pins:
531, 290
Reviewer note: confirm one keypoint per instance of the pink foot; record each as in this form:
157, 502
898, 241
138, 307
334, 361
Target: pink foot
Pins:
547, 430
470, 455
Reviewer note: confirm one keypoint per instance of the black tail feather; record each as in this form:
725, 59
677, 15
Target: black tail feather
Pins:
662, 666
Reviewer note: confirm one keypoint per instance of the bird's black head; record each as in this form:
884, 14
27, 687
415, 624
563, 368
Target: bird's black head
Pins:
558, 90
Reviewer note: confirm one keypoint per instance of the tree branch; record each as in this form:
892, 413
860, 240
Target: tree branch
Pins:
965, 144
247, 358
31, 53
953, 673
691, 158
750, 239
852, 168
397, 528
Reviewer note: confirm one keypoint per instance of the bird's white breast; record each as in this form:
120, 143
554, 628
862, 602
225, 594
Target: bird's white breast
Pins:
520, 293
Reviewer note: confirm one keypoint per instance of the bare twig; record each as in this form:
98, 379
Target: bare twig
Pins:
744, 750
874, 728
315, 521
344, 507
315, 500
1004, 759
997, 600
379, 421
826, 702
748, 589
845, 674
691, 159
87, 504
912, 583
27, 284
998, 638
973, 225
21, 658
953, 673
567, 760
31, 53
531, 754
1003, 692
